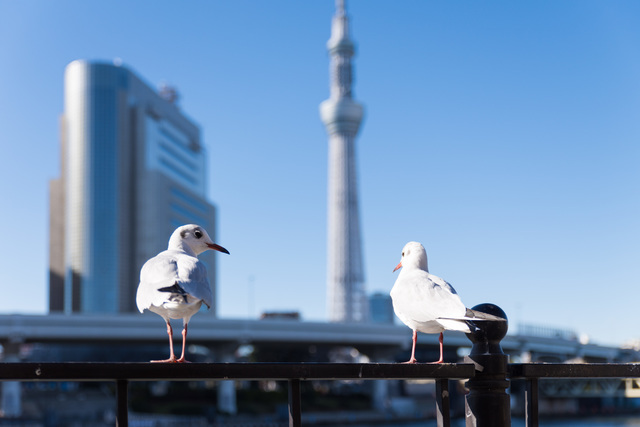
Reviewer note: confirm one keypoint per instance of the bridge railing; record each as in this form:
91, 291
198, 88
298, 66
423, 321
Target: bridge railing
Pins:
294, 373
533, 372
488, 411
124, 373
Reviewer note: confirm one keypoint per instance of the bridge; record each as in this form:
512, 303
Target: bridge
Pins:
369, 338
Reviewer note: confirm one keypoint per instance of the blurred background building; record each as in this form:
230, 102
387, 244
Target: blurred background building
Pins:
133, 169
381, 308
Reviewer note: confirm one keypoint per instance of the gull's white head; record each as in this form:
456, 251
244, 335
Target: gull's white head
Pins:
194, 238
413, 256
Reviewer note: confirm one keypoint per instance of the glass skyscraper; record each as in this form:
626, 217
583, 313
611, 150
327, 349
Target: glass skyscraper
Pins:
133, 169
381, 308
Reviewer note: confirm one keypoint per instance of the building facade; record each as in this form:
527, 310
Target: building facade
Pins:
341, 115
133, 169
381, 308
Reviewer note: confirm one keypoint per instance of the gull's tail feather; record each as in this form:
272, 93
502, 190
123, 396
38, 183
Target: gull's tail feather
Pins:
479, 315
453, 324
472, 316
475, 316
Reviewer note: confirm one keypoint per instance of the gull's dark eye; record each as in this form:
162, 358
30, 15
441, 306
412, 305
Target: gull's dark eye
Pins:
198, 234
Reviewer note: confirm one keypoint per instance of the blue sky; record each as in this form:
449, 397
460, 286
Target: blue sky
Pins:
504, 136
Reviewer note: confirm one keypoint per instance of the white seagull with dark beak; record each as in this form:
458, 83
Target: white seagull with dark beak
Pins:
427, 303
174, 283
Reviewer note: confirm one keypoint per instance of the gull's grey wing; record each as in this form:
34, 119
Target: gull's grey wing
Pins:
192, 277
158, 272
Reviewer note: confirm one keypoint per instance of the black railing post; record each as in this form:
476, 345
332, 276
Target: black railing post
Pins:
488, 404
443, 403
531, 403
122, 399
295, 411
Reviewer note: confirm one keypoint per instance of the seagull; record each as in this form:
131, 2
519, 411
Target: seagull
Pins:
427, 303
174, 283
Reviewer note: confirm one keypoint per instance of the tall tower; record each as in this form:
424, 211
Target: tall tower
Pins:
342, 116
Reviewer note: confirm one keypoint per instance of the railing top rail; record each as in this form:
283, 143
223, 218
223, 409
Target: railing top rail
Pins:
96, 371
574, 370
92, 371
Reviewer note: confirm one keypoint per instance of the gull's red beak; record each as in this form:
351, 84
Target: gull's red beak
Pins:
398, 266
217, 248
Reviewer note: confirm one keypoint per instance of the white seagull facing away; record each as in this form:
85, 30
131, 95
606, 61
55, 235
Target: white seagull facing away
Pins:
174, 283
427, 303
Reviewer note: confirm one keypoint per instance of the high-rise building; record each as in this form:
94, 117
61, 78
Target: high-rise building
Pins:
341, 115
133, 170
381, 308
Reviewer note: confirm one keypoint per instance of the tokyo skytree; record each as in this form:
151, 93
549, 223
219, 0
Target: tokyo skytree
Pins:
341, 115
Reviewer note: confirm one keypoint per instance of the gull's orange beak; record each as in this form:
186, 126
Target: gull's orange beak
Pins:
217, 248
398, 266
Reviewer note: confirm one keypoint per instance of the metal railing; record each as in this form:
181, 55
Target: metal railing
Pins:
294, 373
489, 415
533, 372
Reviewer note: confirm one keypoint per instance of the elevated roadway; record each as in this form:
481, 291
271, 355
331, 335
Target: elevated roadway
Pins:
209, 331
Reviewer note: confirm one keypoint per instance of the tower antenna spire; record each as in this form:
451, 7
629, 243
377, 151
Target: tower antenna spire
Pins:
342, 116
